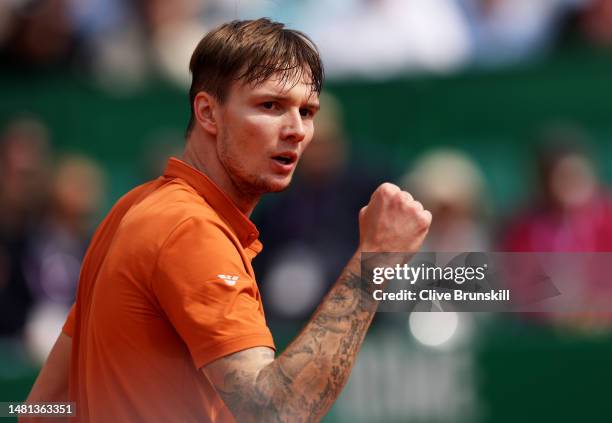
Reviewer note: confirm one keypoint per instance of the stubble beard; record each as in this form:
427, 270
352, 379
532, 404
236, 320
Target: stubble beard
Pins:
250, 184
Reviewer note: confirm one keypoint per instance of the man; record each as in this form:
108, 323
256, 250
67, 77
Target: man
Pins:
168, 323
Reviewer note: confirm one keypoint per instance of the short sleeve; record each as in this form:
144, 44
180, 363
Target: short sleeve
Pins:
68, 327
203, 287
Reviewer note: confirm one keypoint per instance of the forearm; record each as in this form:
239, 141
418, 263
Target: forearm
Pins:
304, 381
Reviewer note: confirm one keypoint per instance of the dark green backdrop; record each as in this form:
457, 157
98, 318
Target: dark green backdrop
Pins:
527, 372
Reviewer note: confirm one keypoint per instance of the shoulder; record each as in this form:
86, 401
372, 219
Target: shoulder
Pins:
172, 206
171, 214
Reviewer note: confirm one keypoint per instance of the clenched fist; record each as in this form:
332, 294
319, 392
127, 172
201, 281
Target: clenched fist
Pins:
392, 221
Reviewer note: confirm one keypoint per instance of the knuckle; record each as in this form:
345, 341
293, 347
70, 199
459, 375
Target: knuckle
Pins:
407, 196
388, 188
425, 218
414, 206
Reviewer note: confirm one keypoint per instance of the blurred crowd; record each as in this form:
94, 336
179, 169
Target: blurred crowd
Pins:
310, 231
51, 203
49, 206
124, 43
51, 200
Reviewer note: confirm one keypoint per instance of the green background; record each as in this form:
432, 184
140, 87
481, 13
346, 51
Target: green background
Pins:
524, 371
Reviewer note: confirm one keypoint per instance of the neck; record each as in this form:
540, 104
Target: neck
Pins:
201, 155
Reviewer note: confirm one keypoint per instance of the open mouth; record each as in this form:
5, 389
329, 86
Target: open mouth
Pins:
286, 158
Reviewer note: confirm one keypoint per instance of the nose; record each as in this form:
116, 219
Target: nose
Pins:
293, 128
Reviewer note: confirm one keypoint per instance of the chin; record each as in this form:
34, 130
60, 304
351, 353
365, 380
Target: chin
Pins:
278, 186
264, 185
277, 183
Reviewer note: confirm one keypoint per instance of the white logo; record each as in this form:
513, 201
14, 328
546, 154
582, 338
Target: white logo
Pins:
230, 280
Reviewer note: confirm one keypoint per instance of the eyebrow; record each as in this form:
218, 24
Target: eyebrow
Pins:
274, 97
314, 106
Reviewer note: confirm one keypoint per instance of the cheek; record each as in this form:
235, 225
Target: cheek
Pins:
260, 132
251, 131
307, 140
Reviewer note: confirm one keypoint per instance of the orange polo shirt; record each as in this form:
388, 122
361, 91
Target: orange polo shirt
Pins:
166, 287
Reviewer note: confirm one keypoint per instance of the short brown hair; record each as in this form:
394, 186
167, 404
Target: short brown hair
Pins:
251, 51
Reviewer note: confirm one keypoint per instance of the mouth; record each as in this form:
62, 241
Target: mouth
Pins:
285, 159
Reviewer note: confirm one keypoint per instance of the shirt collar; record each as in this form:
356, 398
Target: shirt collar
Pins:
245, 229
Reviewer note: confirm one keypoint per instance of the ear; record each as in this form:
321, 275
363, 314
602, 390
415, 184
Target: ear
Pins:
205, 107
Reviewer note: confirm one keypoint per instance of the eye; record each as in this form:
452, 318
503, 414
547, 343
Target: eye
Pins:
306, 112
268, 105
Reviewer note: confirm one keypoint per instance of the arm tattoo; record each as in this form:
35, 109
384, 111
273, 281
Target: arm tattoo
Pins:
304, 381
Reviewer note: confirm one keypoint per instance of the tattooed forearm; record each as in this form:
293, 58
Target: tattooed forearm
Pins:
304, 381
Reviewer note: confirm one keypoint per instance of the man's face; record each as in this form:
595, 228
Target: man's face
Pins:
263, 131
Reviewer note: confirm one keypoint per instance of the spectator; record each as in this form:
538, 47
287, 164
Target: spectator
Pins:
451, 186
59, 244
156, 39
571, 210
510, 31
56, 249
24, 167
38, 34
596, 22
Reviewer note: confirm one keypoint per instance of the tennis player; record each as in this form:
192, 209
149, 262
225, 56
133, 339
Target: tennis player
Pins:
168, 323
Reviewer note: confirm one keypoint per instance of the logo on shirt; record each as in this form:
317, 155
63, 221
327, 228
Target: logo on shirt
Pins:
230, 280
